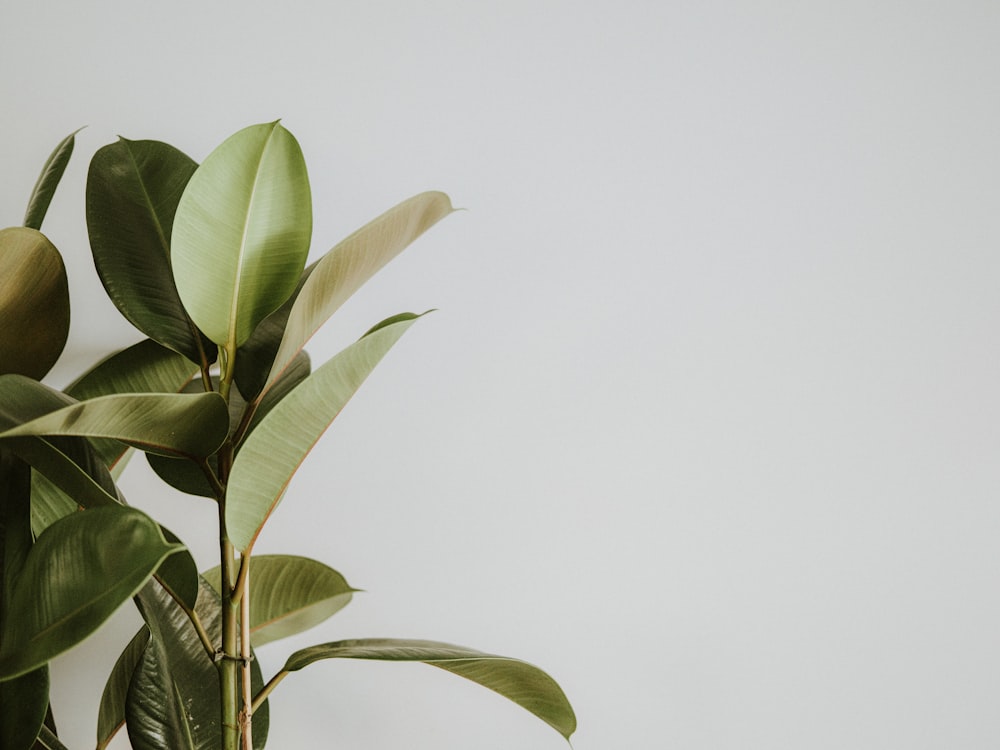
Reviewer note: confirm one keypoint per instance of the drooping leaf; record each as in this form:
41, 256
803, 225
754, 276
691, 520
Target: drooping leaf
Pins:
78, 572
274, 450
524, 684
178, 573
111, 714
241, 233
24, 700
146, 367
345, 268
34, 302
191, 426
173, 701
71, 468
48, 181
133, 188
289, 594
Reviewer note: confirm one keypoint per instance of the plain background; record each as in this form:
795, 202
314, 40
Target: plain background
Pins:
707, 422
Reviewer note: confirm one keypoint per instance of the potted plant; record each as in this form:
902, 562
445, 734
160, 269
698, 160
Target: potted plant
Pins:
209, 262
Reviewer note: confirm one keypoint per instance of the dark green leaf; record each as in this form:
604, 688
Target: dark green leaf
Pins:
48, 181
524, 684
78, 572
34, 303
133, 188
111, 714
173, 702
289, 594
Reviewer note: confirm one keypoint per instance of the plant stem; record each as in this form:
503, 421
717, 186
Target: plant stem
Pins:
192, 616
229, 676
266, 690
245, 653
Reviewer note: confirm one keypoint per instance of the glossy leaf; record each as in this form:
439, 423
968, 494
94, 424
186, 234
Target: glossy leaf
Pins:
241, 233
78, 572
146, 367
24, 700
133, 188
289, 595
173, 701
274, 450
524, 684
345, 268
191, 426
48, 181
111, 713
34, 303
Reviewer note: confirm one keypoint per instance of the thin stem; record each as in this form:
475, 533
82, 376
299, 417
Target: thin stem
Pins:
228, 665
266, 690
213, 480
245, 653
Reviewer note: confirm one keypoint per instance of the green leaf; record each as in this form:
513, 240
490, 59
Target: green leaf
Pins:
289, 595
241, 233
274, 450
524, 684
146, 367
133, 188
24, 700
78, 572
48, 740
34, 302
345, 268
48, 181
190, 426
111, 714
173, 700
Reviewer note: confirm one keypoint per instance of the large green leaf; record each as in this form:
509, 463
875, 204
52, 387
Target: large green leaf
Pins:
526, 685
48, 181
274, 450
34, 302
78, 572
190, 426
289, 594
241, 233
345, 268
133, 188
173, 700
24, 700
111, 713
146, 367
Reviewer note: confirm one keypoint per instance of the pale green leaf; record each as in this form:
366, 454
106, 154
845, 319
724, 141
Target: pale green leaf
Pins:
524, 684
274, 450
79, 571
289, 594
34, 302
242, 231
352, 262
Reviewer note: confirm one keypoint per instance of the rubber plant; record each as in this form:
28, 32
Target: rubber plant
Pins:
209, 262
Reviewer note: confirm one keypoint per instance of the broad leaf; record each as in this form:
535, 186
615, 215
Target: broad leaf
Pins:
173, 701
274, 450
526, 685
24, 700
288, 595
190, 426
34, 303
111, 714
77, 573
241, 233
345, 268
146, 367
48, 181
133, 188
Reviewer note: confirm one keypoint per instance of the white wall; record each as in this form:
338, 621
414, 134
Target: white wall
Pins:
708, 422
